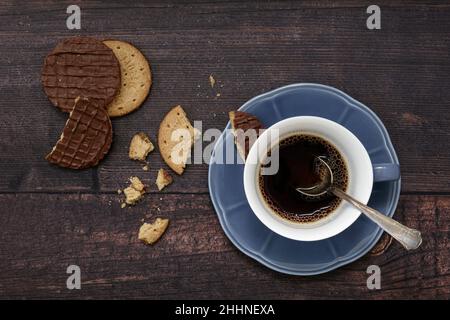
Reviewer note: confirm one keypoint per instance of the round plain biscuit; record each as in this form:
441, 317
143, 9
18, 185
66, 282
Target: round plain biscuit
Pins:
136, 78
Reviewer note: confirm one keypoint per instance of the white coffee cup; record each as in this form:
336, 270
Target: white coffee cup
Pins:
360, 177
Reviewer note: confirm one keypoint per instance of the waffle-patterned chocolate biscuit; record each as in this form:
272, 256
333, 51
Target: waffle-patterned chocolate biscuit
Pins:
241, 122
86, 137
81, 67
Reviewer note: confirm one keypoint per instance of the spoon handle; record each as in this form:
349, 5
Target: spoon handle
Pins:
409, 238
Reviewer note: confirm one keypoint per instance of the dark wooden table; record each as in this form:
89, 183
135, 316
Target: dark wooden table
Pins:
51, 218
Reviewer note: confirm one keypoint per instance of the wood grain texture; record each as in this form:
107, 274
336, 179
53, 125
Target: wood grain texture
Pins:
43, 234
401, 72
50, 217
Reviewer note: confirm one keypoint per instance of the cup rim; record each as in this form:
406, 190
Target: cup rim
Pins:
337, 221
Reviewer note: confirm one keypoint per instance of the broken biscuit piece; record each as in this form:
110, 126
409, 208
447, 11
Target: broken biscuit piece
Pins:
176, 137
151, 232
140, 147
132, 195
163, 179
86, 137
246, 129
137, 184
134, 192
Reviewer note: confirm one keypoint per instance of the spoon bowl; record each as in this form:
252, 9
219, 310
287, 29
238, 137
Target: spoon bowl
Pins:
325, 178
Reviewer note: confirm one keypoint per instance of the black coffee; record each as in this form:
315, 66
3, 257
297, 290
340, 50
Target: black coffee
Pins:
297, 154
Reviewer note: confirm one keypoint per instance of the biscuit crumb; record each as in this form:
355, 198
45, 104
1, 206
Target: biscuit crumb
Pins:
151, 232
163, 179
218, 95
134, 192
140, 147
132, 195
145, 168
119, 191
137, 184
212, 81
123, 205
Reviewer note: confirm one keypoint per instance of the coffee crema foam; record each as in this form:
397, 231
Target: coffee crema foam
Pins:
296, 166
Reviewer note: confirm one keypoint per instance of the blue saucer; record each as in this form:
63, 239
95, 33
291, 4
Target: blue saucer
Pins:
244, 229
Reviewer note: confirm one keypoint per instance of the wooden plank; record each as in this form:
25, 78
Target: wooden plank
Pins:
218, 14
401, 72
406, 116
40, 235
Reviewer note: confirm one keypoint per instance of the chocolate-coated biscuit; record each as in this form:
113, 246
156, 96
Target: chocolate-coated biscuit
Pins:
241, 122
86, 138
81, 66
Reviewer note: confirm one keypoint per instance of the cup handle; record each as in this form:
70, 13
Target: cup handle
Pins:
386, 172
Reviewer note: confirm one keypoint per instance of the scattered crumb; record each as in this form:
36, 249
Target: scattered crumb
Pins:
145, 168
132, 195
160, 199
140, 147
119, 191
134, 192
218, 95
163, 179
151, 232
158, 209
137, 184
212, 81
123, 205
